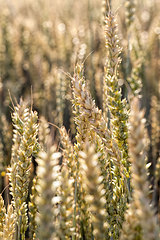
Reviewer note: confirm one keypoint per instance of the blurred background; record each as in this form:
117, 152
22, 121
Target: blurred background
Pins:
42, 40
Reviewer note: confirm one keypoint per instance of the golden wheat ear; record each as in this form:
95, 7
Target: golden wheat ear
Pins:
48, 197
112, 95
66, 218
130, 11
114, 103
2, 214
112, 45
68, 152
33, 211
95, 196
140, 219
88, 117
24, 146
9, 226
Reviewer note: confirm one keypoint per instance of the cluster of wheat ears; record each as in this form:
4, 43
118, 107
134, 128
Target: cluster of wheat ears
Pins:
95, 186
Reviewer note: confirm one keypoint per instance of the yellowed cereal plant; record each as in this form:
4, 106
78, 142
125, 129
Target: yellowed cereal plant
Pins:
90, 183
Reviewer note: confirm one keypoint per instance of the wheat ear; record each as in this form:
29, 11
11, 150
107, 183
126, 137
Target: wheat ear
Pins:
2, 215
95, 196
33, 210
9, 226
66, 219
130, 12
140, 218
48, 172
89, 114
25, 143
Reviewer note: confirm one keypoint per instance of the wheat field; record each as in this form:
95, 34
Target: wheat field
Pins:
80, 120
